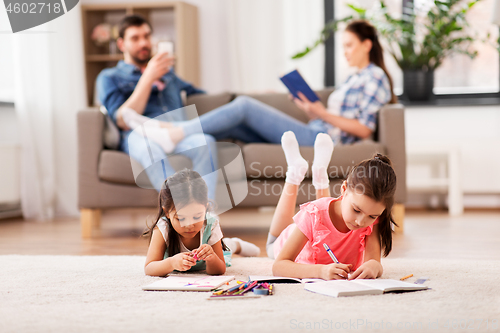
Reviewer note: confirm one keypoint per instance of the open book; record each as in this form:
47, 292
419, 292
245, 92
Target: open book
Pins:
339, 288
295, 83
189, 283
281, 279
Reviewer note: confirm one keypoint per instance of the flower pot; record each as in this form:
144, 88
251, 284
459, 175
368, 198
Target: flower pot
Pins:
418, 84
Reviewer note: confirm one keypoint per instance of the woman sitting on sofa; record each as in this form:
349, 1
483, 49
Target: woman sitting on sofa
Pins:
351, 114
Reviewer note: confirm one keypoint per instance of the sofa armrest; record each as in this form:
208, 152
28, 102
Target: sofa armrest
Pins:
391, 133
90, 125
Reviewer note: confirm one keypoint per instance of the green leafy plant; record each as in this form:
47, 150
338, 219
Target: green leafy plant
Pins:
422, 37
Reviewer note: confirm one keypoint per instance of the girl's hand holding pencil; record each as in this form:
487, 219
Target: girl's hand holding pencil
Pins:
204, 252
183, 261
335, 271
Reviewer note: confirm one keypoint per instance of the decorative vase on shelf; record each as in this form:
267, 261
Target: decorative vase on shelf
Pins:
101, 35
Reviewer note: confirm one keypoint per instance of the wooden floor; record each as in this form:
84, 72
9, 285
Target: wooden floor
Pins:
475, 235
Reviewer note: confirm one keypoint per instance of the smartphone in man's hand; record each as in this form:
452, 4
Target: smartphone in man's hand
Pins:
166, 46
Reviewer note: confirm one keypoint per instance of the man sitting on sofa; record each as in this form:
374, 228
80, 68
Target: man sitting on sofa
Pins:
142, 87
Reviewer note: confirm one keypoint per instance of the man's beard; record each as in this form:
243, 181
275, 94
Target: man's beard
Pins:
140, 61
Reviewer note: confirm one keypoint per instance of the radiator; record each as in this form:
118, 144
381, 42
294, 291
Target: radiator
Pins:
10, 180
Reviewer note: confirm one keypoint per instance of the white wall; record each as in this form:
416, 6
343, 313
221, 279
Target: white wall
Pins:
214, 45
263, 37
475, 130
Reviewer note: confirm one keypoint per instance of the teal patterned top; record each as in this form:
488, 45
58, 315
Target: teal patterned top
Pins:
209, 230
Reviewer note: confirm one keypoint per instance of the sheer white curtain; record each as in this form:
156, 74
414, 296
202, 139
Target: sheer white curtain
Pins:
263, 35
49, 91
34, 106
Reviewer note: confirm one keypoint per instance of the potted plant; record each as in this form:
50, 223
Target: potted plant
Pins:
419, 40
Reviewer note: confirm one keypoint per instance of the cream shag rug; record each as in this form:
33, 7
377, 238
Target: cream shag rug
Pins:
103, 294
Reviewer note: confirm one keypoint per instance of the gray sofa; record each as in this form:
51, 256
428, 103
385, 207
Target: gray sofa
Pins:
106, 179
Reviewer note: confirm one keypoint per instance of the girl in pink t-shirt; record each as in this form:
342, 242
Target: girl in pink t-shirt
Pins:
356, 226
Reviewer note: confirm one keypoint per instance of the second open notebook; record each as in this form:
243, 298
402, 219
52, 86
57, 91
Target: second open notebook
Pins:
280, 279
339, 288
189, 283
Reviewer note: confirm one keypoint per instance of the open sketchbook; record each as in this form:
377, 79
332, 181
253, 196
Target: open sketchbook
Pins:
281, 279
339, 288
189, 283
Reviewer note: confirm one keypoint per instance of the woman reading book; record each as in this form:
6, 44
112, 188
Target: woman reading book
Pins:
351, 113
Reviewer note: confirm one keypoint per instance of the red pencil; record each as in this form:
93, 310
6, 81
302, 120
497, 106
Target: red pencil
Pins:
250, 287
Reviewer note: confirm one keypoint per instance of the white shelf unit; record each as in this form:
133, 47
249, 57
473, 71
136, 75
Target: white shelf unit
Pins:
445, 175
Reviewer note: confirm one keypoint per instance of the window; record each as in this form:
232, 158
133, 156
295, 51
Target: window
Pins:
480, 76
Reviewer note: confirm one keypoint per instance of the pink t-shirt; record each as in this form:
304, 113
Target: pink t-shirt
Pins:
313, 220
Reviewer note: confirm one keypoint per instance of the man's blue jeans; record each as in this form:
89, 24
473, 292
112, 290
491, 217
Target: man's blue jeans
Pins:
204, 159
249, 120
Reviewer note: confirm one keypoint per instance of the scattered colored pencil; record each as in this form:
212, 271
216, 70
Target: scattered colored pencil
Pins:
406, 277
242, 288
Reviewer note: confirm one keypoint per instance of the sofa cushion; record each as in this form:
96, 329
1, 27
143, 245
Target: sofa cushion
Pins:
205, 103
268, 160
115, 167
